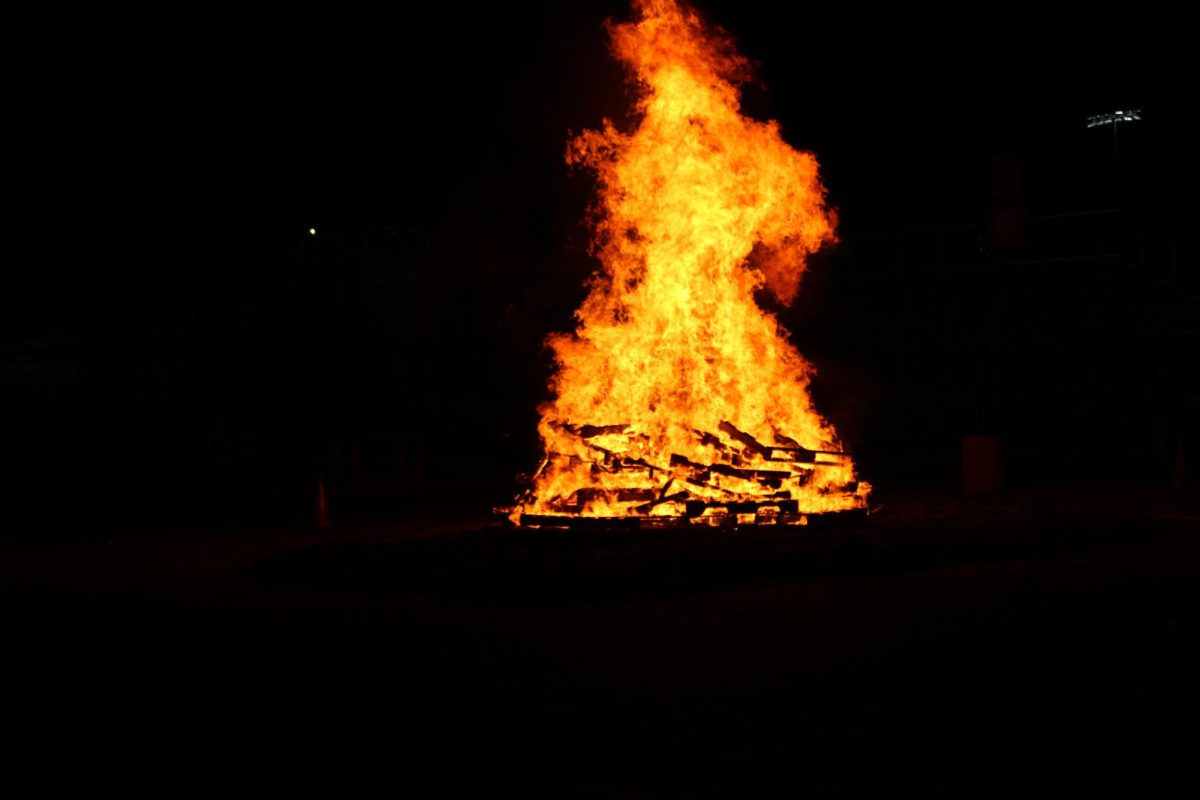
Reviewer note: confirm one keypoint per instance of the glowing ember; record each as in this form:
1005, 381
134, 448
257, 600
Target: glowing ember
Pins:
677, 397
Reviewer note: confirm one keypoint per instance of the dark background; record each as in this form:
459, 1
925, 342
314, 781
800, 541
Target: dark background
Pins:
172, 335
180, 360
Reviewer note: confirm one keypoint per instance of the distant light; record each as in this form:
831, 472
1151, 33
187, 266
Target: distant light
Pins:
312, 231
1096, 120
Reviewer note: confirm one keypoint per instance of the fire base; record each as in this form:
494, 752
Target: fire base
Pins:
744, 519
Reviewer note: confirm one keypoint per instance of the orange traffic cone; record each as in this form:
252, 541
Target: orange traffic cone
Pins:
321, 512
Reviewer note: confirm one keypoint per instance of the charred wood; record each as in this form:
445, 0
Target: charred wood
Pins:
589, 431
646, 508
743, 438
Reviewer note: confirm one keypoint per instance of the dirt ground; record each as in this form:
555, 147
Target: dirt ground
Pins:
1032, 644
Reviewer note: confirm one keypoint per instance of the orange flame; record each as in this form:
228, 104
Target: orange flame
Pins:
698, 208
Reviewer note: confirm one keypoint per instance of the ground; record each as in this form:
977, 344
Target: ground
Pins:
1024, 644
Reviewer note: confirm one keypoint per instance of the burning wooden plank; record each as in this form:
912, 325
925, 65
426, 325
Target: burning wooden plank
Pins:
589, 495
770, 478
677, 497
591, 431
792, 452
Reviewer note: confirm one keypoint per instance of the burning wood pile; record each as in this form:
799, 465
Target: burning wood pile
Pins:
746, 482
665, 394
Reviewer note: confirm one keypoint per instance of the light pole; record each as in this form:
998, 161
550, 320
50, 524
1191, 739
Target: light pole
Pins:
1114, 118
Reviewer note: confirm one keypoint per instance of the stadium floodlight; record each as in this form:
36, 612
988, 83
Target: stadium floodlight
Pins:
1112, 118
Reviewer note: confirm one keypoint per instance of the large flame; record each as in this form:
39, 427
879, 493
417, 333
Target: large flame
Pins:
699, 207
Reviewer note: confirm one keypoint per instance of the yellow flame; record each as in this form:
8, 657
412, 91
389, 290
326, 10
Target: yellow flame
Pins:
699, 207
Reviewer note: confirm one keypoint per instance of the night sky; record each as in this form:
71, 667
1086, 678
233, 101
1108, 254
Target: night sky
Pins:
159, 155
167, 165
